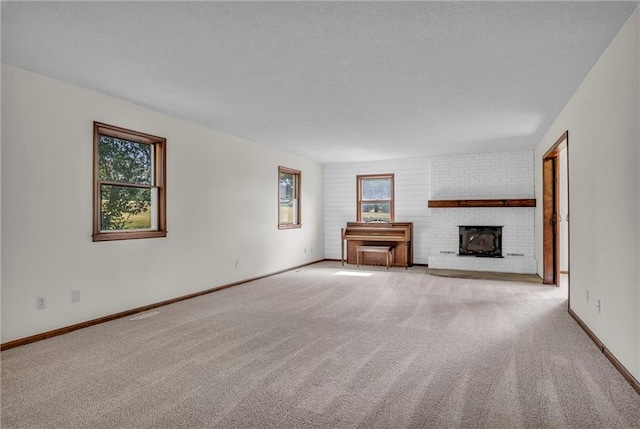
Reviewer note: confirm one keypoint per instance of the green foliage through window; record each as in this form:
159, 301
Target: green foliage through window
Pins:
125, 161
129, 188
125, 208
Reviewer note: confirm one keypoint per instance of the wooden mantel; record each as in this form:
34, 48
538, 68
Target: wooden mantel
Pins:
527, 202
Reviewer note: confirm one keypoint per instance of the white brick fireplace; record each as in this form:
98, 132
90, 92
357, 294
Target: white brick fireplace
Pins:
483, 176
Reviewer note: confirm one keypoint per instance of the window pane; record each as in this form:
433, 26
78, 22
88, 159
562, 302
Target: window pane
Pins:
378, 212
288, 198
124, 161
126, 208
287, 185
288, 212
376, 189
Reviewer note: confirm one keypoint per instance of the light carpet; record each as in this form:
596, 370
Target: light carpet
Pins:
312, 349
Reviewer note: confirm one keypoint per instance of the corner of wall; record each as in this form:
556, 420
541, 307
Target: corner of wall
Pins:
1, 67
637, 17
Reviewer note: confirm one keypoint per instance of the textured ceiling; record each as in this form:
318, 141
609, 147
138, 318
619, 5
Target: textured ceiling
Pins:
331, 81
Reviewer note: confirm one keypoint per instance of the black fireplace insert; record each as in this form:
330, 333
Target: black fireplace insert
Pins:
481, 241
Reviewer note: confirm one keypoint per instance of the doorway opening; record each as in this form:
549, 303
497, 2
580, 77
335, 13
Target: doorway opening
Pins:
555, 218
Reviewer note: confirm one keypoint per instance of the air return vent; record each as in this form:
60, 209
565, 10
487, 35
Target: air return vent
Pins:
145, 315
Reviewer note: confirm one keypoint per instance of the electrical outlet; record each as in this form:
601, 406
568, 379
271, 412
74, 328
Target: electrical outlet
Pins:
305, 250
237, 264
587, 296
311, 251
41, 303
75, 296
599, 307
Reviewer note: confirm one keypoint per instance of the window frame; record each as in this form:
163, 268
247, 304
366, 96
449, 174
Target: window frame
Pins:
159, 182
297, 191
359, 200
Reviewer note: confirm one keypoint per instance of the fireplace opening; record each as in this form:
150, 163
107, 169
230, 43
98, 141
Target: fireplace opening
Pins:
483, 241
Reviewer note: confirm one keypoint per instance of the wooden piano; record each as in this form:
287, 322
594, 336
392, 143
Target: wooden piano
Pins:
398, 235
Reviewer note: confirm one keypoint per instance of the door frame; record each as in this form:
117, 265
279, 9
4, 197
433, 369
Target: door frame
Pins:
550, 203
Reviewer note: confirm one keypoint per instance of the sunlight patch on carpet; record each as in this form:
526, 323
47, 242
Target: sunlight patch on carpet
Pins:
352, 273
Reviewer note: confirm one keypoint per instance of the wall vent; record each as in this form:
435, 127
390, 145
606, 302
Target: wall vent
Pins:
447, 252
515, 254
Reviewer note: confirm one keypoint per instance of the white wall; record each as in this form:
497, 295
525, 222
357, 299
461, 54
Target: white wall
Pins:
604, 159
411, 181
483, 176
221, 207
0, 217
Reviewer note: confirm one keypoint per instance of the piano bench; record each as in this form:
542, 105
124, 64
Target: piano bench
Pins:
389, 250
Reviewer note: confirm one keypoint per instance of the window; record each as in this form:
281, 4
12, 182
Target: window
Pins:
288, 198
129, 170
375, 198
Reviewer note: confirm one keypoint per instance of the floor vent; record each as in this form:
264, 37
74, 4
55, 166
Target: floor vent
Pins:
515, 254
447, 252
145, 315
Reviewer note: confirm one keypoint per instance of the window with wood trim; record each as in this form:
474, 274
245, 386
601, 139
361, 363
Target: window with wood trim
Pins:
289, 198
129, 196
375, 198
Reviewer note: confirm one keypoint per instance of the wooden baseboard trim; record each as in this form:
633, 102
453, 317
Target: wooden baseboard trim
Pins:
65, 330
616, 363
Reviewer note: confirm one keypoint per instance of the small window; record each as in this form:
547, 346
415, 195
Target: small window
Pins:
129, 171
375, 198
289, 198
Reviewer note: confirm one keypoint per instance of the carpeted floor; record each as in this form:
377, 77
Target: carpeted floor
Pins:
313, 349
